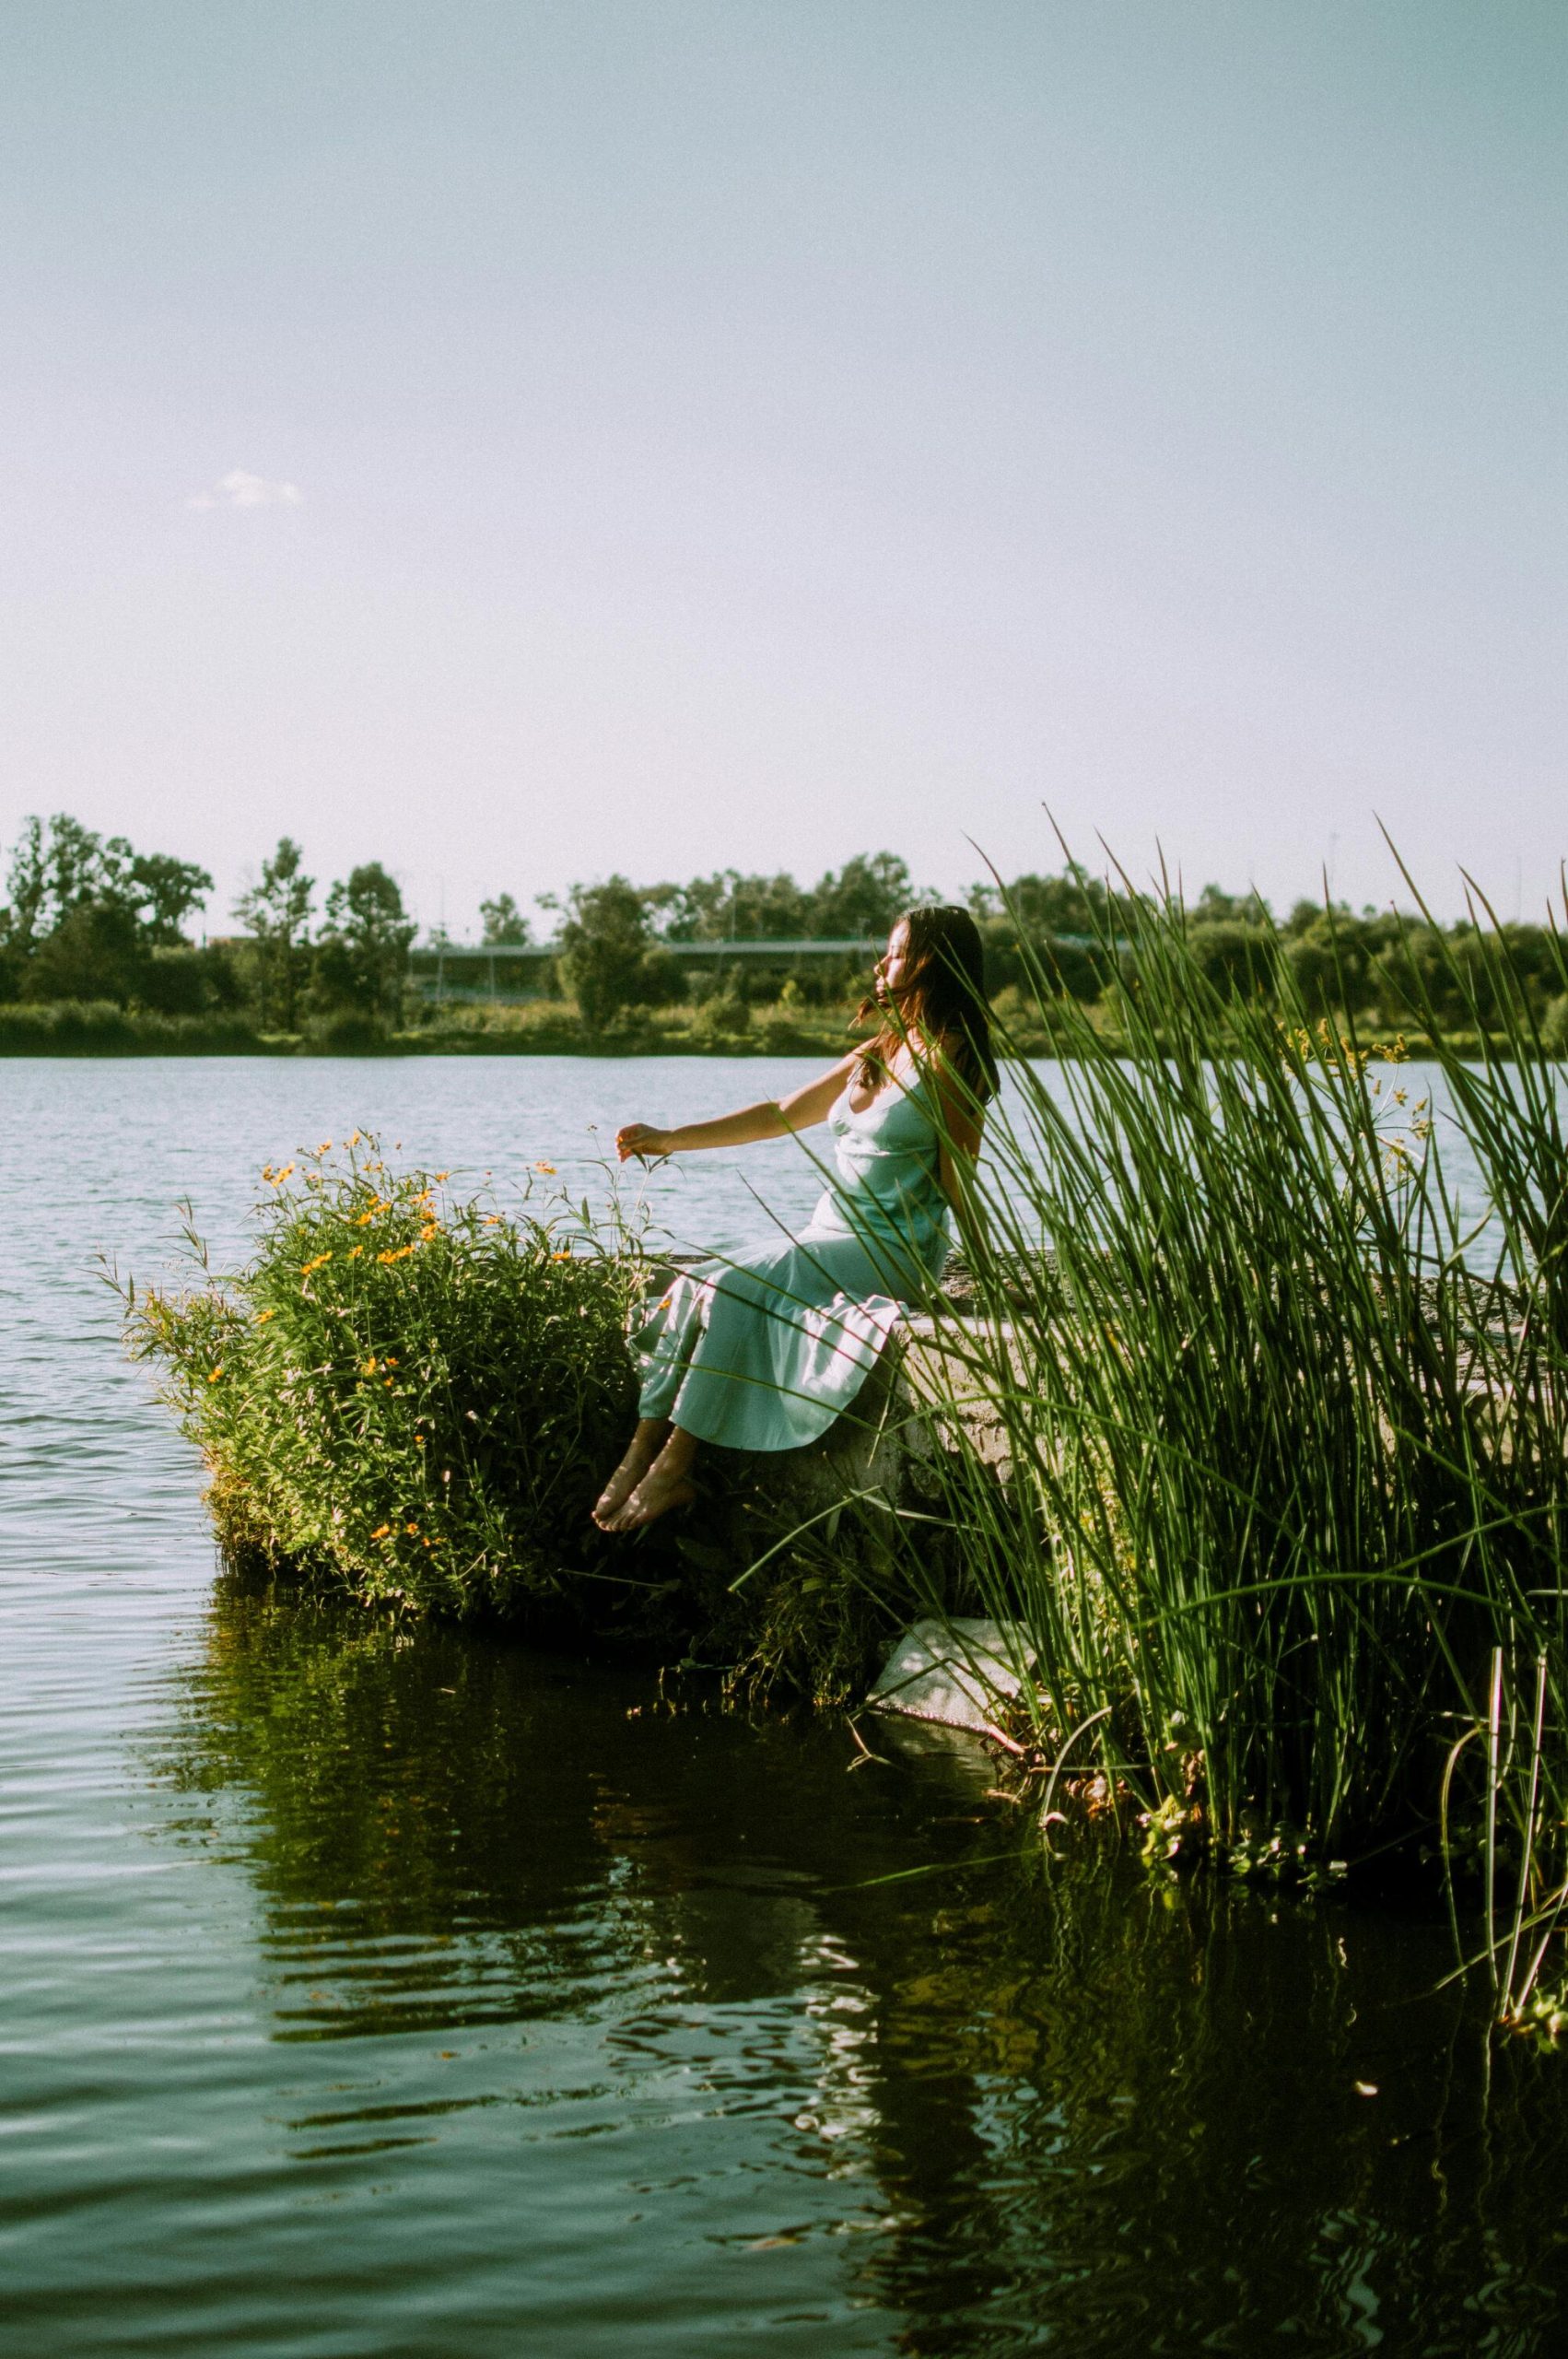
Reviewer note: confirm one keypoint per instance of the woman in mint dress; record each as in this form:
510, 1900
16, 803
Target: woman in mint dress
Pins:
766, 1352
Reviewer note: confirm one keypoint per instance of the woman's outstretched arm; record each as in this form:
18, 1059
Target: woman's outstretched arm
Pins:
770, 1119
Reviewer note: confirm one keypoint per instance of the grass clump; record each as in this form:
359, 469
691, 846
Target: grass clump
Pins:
1286, 1420
415, 1395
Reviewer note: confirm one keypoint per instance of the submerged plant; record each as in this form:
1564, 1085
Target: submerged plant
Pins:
415, 1395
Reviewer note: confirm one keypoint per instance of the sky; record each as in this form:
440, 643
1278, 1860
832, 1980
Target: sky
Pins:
518, 442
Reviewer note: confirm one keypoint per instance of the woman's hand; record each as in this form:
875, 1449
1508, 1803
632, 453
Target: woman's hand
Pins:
638, 1141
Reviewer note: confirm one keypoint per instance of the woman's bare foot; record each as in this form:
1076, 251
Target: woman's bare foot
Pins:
667, 1483
645, 1444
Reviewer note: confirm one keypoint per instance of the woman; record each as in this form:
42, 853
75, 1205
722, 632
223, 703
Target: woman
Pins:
765, 1352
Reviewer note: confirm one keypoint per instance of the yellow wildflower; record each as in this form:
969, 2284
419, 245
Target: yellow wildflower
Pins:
320, 1262
432, 1229
545, 1167
262, 1316
383, 1532
370, 1365
355, 1251
411, 1527
214, 1377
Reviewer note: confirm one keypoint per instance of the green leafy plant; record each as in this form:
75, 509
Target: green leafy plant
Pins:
415, 1395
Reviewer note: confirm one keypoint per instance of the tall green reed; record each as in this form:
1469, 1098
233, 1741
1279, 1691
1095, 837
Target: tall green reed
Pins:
1285, 1417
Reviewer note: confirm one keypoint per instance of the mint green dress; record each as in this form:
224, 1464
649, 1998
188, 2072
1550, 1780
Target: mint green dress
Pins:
764, 1352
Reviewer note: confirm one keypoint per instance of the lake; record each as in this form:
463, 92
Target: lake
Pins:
370, 1991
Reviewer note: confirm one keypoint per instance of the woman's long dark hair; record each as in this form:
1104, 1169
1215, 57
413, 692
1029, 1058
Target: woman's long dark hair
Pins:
942, 999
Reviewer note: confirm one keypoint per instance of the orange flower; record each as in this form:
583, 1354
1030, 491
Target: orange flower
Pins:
383, 1532
545, 1167
262, 1316
320, 1262
214, 1377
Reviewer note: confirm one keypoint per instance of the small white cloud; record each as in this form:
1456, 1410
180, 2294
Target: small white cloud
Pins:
237, 489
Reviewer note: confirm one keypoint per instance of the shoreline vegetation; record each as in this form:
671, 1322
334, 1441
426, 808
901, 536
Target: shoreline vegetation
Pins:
556, 1029
1249, 1434
97, 958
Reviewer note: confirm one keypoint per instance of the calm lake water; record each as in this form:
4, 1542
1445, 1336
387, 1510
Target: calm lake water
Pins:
371, 1994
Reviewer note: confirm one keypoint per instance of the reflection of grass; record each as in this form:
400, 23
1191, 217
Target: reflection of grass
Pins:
1059, 2096
407, 1807
416, 1395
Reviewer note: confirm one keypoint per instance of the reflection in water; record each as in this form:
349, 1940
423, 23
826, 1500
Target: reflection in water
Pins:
1007, 2101
371, 1992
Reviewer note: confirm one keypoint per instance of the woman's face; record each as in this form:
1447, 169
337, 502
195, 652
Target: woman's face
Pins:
893, 966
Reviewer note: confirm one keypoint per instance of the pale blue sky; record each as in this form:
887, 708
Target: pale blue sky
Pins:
731, 434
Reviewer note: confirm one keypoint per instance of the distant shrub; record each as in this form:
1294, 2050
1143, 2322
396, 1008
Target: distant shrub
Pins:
347, 1035
183, 980
101, 1028
418, 1397
65, 1028
723, 1016
1555, 1026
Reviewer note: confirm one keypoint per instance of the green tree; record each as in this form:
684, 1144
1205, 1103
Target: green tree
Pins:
1234, 956
84, 914
362, 957
276, 913
505, 925
26, 885
728, 906
165, 891
604, 939
865, 898
80, 867
95, 952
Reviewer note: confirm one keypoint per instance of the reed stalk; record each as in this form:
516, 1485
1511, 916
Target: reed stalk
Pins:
1284, 1407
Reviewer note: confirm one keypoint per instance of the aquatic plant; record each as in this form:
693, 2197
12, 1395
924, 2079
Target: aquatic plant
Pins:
1286, 1422
415, 1394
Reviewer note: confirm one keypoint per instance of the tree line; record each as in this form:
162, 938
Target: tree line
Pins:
88, 918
